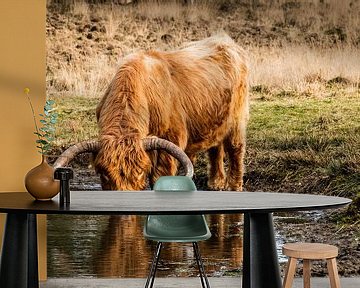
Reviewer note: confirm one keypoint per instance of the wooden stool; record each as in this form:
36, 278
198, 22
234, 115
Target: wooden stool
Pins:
307, 252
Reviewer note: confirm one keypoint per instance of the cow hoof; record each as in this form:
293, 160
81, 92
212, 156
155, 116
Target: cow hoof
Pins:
218, 184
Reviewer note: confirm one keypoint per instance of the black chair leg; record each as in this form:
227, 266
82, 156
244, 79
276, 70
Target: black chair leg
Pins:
155, 261
200, 264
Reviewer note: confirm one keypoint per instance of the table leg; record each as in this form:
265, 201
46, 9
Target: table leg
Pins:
19, 260
260, 265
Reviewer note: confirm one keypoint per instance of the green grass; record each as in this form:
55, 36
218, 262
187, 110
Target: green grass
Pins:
294, 144
77, 120
306, 144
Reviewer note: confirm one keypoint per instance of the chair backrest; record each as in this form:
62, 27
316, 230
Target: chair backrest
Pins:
174, 183
176, 228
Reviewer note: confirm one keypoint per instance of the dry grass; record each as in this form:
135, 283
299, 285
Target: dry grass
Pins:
87, 79
293, 45
305, 70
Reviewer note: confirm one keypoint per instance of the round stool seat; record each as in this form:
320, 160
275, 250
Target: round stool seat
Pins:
308, 252
311, 251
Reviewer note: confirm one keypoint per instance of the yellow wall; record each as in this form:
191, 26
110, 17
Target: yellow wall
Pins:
22, 64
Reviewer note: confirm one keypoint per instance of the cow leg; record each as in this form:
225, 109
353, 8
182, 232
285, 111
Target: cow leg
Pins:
216, 168
235, 147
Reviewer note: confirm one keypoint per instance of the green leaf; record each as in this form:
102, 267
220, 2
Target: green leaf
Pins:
41, 141
47, 107
47, 146
50, 129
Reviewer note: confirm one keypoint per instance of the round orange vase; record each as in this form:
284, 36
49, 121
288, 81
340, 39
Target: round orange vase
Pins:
40, 182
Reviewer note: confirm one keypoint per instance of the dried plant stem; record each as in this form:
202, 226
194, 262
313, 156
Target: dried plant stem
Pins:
27, 91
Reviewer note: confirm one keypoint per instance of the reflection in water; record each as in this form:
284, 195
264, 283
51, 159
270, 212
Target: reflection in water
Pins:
114, 246
121, 249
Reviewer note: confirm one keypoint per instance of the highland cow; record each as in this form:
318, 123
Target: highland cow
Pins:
195, 97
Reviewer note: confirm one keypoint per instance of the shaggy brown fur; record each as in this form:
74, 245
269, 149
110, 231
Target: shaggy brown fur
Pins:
195, 97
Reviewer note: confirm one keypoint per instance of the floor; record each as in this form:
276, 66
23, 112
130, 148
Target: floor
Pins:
223, 282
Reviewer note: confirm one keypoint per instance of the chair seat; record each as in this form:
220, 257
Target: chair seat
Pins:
176, 228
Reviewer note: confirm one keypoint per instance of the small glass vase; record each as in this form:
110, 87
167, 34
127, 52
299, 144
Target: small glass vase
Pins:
40, 183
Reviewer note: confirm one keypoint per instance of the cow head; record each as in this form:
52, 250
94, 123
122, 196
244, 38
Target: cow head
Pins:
123, 163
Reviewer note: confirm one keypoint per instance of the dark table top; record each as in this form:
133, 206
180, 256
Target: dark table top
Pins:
150, 202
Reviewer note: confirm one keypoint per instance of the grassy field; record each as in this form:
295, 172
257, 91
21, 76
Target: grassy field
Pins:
304, 130
294, 144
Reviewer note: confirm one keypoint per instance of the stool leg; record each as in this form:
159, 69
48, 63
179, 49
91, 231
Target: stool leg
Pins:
306, 273
333, 273
289, 274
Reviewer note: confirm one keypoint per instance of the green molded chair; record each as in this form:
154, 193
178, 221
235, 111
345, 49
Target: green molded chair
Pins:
176, 228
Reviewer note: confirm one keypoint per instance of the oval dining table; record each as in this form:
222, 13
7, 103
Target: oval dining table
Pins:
19, 261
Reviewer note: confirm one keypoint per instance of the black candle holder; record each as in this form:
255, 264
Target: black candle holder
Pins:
64, 175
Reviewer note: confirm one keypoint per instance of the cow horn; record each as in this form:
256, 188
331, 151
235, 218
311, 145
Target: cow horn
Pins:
76, 149
153, 143
149, 143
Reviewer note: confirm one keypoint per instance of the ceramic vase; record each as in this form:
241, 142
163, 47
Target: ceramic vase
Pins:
40, 183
